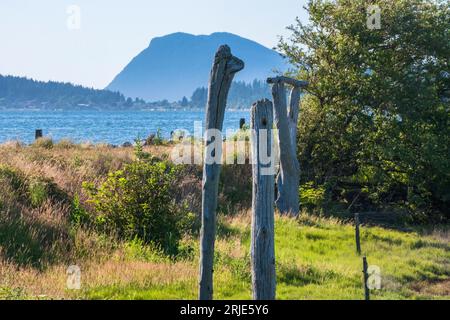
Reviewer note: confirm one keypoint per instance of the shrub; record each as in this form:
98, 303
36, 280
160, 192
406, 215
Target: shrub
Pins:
136, 202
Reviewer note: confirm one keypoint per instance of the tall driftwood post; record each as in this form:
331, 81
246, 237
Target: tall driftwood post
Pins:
223, 70
286, 122
262, 241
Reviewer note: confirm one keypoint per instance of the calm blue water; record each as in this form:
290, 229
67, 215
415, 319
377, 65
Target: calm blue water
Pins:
115, 127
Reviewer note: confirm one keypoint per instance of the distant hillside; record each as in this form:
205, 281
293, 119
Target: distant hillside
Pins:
176, 65
24, 93
242, 95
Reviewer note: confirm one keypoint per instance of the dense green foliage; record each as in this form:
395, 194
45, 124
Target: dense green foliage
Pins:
374, 128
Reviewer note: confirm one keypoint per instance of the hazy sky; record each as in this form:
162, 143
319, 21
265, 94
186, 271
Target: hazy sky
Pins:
35, 40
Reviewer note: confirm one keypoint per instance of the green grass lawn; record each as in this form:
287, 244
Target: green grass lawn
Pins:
315, 259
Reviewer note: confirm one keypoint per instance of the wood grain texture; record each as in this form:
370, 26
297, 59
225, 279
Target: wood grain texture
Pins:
289, 175
223, 70
262, 240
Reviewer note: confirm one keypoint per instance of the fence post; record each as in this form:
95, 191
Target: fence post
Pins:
357, 238
366, 279
288, 179
223, 70
262, 239
38, 134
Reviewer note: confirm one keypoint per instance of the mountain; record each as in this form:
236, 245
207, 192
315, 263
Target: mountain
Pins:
175, 65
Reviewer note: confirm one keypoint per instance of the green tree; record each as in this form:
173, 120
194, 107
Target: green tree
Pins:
374, 126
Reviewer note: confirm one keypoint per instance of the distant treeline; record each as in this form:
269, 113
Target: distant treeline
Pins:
18, 92
24, 93
242, 95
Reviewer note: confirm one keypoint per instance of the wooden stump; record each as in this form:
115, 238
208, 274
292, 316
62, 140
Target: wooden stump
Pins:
223, 70
38, 134
288, 179
262, 241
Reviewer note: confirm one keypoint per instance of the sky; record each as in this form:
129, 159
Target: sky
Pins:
89, 42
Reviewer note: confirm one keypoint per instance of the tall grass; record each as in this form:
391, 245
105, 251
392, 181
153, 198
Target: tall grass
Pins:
42, 205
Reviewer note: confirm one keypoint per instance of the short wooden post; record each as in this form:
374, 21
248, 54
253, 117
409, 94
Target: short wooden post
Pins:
241, 123
223, 70
357, 238
366, 279
262, 241
38, 134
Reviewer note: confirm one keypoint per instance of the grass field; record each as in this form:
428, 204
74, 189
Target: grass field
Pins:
315, 260
315, 255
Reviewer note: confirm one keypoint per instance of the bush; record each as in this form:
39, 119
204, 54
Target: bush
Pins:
136, 202
37, 193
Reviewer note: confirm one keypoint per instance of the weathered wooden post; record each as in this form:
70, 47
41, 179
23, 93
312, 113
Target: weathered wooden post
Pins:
241, 123
289, 176
357, 239
366, 279
224, 67
38, 134
294, 103
262, 241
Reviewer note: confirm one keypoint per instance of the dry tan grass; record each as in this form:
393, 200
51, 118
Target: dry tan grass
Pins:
68, 166
116, 271
102, 259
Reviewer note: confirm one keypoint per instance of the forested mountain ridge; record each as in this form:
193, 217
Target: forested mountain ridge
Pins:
17, 93
24, 93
